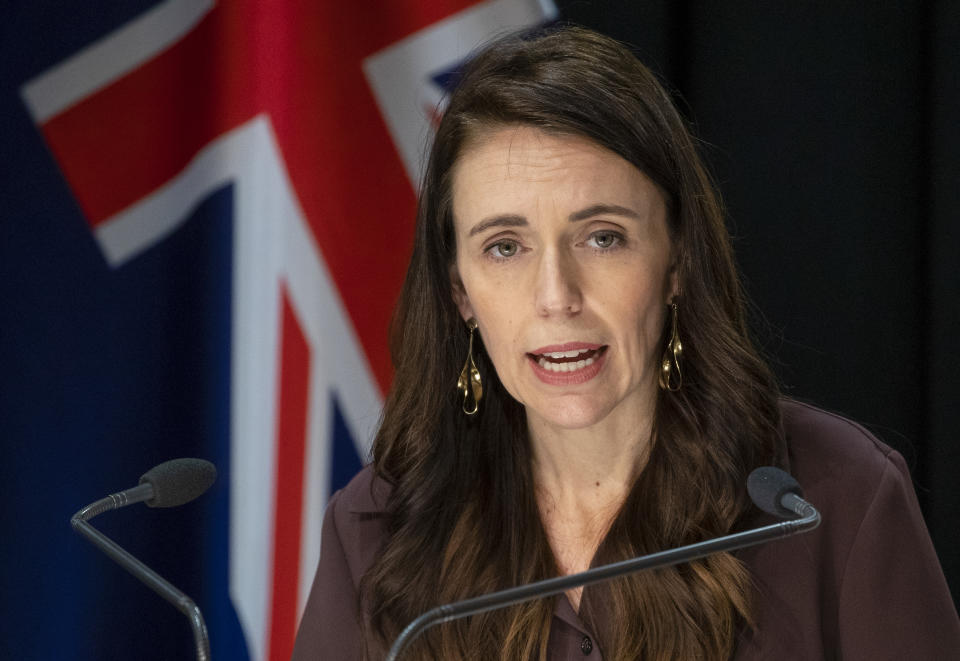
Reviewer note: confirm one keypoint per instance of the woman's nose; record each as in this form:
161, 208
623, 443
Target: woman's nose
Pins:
557, 288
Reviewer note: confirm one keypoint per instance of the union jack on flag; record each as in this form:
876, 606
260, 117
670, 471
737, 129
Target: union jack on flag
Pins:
295, 129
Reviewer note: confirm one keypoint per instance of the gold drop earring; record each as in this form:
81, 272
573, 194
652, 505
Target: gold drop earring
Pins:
469, 382
671, 377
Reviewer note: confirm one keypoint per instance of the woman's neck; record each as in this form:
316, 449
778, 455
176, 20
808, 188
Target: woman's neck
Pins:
582, 478
591, 468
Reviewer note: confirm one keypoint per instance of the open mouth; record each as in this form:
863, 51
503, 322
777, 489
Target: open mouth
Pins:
567, 361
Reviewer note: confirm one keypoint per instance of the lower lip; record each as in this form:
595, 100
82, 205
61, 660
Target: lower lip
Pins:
568, 378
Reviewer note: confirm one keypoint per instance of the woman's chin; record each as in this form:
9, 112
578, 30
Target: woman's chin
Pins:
570, 413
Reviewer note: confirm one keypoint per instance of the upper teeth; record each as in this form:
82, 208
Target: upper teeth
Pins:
566, 354
565, 367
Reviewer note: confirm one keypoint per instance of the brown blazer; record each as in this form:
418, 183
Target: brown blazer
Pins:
865, 585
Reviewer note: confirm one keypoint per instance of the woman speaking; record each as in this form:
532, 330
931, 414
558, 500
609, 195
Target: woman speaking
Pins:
575, 386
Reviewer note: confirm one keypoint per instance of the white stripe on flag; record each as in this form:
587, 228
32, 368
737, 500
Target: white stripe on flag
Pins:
337, 365
111, 57
399, 75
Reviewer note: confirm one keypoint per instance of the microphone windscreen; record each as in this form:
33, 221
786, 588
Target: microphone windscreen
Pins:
768, 485
179, 481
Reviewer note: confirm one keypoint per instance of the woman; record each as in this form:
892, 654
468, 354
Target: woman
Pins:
572, 266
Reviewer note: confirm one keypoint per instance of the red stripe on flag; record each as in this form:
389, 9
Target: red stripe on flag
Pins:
140, 131
291, 457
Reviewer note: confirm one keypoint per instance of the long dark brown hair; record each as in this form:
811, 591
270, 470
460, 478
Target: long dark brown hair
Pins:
463, 518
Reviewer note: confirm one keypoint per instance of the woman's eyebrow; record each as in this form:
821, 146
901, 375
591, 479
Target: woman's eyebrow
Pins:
513, 220
505, 220
600, 209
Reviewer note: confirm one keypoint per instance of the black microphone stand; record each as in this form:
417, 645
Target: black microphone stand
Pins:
147, 576
809, 519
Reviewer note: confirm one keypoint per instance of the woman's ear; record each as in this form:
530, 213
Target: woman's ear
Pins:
460, 293
674, 279
672, 285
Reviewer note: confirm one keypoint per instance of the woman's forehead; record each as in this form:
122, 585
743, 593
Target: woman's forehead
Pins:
522, 165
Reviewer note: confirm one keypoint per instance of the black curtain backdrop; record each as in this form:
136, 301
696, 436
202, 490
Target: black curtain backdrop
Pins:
832, 128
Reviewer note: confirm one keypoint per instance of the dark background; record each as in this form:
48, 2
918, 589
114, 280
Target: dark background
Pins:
832, 128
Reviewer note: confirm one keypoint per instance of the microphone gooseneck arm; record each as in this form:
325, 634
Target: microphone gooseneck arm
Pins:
144, 574
809, 519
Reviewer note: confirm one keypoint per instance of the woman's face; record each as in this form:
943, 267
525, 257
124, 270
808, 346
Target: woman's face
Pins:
564, 258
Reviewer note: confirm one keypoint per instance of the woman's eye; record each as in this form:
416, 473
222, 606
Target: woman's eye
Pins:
503, 249
604, 240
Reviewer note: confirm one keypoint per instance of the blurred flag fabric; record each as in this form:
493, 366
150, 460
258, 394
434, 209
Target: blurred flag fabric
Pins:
206, 215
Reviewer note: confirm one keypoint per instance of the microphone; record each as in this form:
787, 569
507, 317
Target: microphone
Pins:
777, 493
772, 490
169, 484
